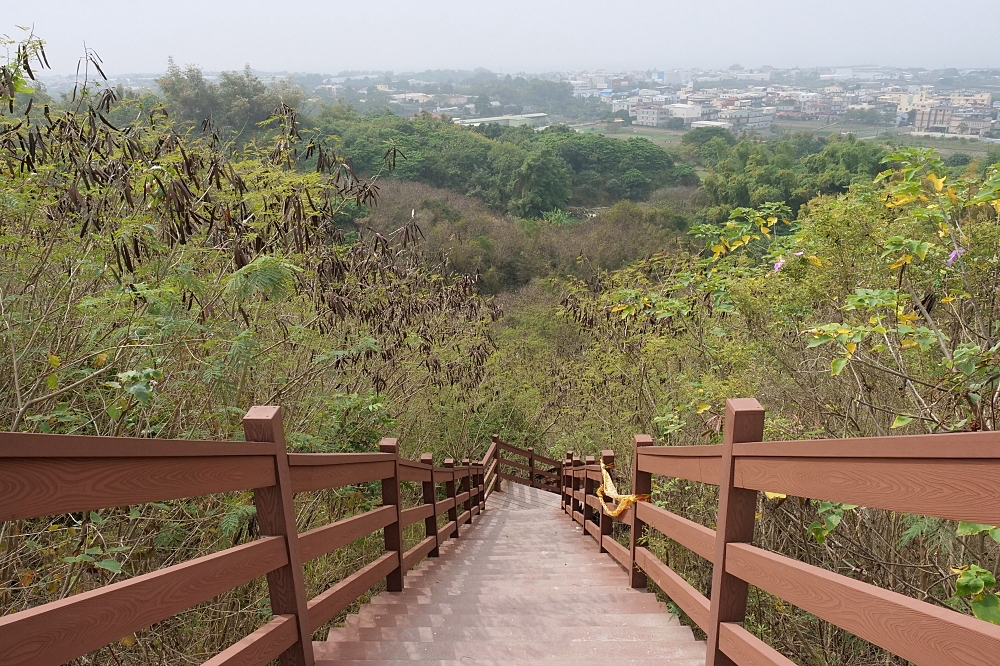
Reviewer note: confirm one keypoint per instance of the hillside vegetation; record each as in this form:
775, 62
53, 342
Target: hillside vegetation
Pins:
381, 276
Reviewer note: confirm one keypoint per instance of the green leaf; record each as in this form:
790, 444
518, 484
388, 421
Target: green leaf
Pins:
837, 366
901, 421
52, 382
114, 411
110, 565
969, 529
968, 585
987, 607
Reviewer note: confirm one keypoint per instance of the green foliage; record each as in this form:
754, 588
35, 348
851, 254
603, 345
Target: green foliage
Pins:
513, 169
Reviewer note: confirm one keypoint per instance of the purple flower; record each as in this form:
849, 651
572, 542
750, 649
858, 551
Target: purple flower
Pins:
778, 265
954, 256
799, 254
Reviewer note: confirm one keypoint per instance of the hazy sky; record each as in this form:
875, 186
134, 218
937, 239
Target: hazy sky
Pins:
515, 35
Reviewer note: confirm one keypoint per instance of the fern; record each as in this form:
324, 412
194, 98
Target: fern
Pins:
235, 520
266, 275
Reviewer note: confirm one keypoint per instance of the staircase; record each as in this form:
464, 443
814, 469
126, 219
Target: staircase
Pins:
521, 587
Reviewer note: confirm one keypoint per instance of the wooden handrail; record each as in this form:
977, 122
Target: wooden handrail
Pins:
948, 475
43, 474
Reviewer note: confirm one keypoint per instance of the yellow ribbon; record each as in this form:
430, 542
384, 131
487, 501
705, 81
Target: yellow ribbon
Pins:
607, 488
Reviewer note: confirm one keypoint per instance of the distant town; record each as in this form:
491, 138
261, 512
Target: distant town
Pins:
934, 103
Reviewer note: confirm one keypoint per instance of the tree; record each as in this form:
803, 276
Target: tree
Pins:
545, 184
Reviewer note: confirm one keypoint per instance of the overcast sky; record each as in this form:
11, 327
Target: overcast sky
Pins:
515, 35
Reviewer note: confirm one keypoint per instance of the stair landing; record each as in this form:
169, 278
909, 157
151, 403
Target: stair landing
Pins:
521, 586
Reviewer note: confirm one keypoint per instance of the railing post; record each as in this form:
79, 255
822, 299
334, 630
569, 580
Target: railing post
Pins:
430, 497
608, 458
394, 531
482, 486
642, 484
566, 484
734, 524
449, 487
531, 466
467, 488
276, 517
499, 454
577, 485
588, 490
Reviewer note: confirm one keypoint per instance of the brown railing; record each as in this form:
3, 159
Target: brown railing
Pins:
541, 472
951, 476
43, 475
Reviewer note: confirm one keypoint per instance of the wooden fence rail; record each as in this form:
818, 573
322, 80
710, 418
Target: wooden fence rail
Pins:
44, 475
950, 476
542, 472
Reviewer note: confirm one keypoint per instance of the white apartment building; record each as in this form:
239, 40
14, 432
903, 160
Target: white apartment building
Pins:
652, 115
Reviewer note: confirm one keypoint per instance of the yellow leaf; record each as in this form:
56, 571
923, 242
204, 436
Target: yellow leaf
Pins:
25, 577
851, 348
54, 361
905, 259
843, 331
775, 495
703, 407
947, 299
909, 344
128, 641
937, 182
814, 260
901, 201
100, 361
758, 516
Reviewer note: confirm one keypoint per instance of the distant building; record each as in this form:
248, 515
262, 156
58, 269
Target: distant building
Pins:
964, 121
688, 112
652, 115
530, 119
970, 99
711, 123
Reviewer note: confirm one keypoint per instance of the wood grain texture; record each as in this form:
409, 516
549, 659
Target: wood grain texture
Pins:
416, 514
38, 445
462, 498
407, 472
445, 504
418, 552
446, 531
920, 632
393, 533
327, 459
953, 489
745, 649
524, 453
276, 517
618, 552
34, 487
329, 538
592, 529
60, 631
952, 445
324, 606
430, 499
320, 477
594, 503
696, 538
735, 523
261, 647
679, 590
451, 488
642, 484
464, 517
693, 468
